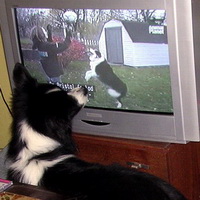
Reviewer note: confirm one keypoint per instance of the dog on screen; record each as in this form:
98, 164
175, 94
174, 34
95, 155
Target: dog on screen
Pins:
100, 69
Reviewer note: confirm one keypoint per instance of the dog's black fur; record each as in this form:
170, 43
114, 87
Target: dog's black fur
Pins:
43, 113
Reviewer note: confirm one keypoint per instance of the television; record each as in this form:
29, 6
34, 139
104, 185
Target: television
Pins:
152, 46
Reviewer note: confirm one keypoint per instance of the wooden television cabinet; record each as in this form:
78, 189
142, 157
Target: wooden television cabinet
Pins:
178, 164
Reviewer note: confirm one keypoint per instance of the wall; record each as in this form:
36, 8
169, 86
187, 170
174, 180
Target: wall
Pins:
5, 117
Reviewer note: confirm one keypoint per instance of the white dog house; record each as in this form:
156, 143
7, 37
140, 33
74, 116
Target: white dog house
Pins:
134, 44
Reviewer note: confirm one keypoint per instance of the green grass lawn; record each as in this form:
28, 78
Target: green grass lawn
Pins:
148, 88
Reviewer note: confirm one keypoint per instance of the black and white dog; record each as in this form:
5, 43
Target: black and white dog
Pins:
100, 68
43, 153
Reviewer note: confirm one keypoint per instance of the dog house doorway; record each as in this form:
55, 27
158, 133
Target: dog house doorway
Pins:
114, 45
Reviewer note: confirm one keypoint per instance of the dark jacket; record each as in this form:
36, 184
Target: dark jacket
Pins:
48, 52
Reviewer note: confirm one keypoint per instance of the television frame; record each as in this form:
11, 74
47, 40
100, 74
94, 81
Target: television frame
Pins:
184, 50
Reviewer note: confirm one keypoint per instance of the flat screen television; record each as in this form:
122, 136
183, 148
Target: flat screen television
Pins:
152, 46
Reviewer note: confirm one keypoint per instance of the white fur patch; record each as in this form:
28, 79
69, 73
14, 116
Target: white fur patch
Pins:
53, 90
78, 94
94, 61
119, 104
36, 143
113, 93
32, 171
89, 74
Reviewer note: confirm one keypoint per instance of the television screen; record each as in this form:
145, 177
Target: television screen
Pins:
133, 43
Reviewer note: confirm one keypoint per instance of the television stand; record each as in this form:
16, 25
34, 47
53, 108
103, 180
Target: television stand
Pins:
178, 164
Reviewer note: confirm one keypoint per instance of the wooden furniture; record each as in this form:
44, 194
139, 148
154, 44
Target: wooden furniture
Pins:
179, 164
33, 191
39, 193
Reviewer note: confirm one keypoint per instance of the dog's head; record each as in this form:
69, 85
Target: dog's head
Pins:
94, 54
44, 106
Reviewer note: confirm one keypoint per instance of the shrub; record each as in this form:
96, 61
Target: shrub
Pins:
76, 51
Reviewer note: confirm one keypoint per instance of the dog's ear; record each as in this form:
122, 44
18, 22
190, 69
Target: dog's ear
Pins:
98, 53
21, 76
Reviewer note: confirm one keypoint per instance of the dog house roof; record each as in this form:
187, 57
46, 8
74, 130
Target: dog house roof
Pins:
139, 32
